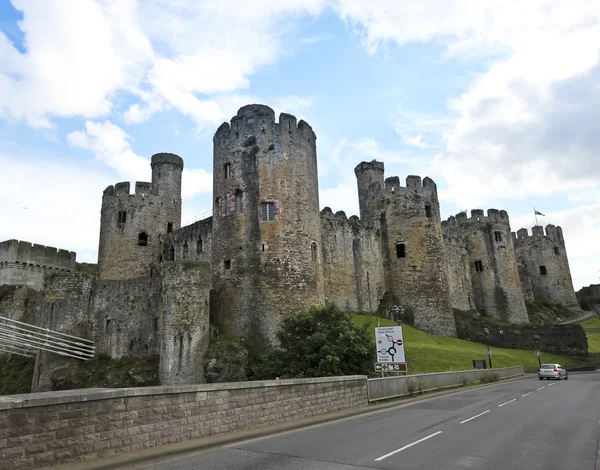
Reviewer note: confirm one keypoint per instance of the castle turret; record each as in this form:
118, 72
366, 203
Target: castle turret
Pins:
415, 264
543, 262
132, 225
490, 280
369, 177
266, 254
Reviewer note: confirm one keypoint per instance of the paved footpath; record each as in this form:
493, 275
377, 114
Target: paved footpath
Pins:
523, 424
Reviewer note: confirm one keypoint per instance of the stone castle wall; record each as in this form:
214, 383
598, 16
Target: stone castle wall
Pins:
266, 222
462, 295
24, 263
544, 263
192, 242
185, 330
133, 226
352, 264
495, 284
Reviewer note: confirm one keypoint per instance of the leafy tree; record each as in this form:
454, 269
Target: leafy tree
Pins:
318, 343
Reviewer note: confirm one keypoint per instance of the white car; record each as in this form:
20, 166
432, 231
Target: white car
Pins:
552, 371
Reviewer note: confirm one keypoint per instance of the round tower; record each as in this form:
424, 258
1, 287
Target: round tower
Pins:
266, 254
369, 178
132, 225
543, 261
415, 261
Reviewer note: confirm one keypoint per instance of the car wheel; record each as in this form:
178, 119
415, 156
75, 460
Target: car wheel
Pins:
567, 377
541, 378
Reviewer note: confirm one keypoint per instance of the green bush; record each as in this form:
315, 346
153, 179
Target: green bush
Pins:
319, 343
489, 377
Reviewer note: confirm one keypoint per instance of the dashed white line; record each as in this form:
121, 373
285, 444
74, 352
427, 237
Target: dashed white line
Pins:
550, 385
476, 416
527, 394
510, 401
407, 446
542, 387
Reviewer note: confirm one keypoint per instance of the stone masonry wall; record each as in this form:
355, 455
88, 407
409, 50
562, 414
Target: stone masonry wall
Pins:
24, 263
46, 430
459, 273
352, 264
193, 242
185, 331
566, 340
266, 222
543, 260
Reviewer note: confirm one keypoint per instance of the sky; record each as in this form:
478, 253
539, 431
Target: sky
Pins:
498, 101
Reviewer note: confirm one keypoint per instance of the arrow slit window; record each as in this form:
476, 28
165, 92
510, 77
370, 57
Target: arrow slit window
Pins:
400, 250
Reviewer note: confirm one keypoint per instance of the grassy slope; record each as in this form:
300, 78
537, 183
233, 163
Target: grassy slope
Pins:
432, 353
593, 339
593, 322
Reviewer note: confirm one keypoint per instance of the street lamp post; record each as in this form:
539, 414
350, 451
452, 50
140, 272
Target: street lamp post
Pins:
538, 353
486, 332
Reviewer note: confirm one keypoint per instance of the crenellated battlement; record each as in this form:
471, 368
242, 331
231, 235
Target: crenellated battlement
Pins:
341, 217
372, 166
413, 182
550, 232
142, 188
15, 251
255, 119
494, 216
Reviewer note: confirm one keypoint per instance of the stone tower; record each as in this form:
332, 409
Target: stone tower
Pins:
490, 279
414, 260
132, 226
544, 264
266, 259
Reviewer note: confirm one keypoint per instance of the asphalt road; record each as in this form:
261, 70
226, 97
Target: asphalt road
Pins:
524, 424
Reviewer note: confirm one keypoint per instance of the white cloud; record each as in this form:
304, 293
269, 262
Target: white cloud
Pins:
111, 145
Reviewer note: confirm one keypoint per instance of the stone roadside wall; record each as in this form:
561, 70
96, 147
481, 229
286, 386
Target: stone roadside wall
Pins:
45, 430
389, 387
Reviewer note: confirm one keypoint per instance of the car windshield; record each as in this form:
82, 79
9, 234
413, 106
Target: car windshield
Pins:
547, 366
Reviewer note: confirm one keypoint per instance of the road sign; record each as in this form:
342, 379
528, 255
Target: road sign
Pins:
489, 353
390, 367
537, 352
389, 344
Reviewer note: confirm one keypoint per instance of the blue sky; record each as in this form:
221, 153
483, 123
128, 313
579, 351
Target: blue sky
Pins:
496, 101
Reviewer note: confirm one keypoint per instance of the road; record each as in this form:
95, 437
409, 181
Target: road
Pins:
523, 424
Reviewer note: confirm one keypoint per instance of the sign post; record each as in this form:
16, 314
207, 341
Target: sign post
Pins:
389, 345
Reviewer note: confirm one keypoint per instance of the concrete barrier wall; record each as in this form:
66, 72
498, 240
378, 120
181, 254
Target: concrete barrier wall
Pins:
45, 430
389, 387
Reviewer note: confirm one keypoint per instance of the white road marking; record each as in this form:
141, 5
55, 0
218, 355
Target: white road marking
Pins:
510, 401
476, 416
407, 446
542, 387
527, 394
550, 385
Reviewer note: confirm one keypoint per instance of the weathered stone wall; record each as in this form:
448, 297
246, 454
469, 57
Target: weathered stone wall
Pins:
265, 266
495, 282
153, 210
193, 242
24, 263
21, 303
185, 329
543, 261
586, 296
371, 190
127, 316
414, 254
459, 273
352, 264
47, 430
566, 340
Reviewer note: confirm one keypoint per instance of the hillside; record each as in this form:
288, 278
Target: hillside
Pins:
592, 330
432, 353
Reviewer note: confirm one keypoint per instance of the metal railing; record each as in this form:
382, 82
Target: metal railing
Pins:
196, 218
24, 339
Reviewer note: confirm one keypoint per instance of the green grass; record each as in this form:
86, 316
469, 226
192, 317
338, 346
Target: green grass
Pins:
594, 343
432, 353
593, 322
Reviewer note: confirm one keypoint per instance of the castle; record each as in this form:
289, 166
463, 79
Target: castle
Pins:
268, 251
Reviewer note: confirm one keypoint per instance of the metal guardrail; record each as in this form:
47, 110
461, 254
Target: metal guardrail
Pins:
24, 339
196, 218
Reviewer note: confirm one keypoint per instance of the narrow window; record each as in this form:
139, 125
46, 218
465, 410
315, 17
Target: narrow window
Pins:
478, 266
400, 250
543, 270
172, 254
121, 217
107, 325
428, 211
469, 298
143, 239
227, 269
238, 201
556, 252
226, 205
169, 227
218, 205
227, 167
313, 252
268, 211
185, 250
498, 236
199, 246
155, 324
263, 246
